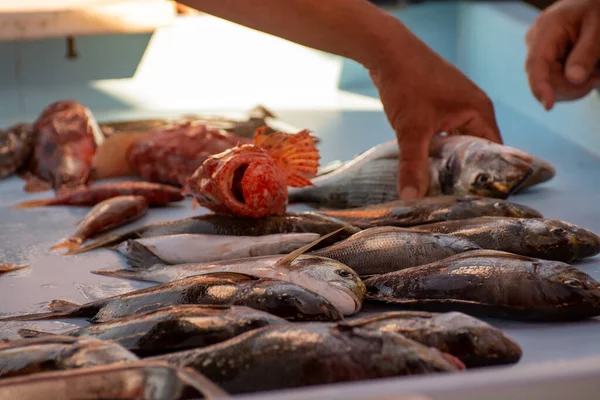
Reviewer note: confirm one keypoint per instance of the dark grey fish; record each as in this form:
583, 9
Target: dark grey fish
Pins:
387, 248
16, 145
280, 298
427, 210
173, 328
493, 284
28, 356
475, 342
541, 238
217, 224
299, 355
458, 165
141, 380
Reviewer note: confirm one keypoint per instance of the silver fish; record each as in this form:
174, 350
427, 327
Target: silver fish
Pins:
386, 249
459, 165
331, 279
200, 248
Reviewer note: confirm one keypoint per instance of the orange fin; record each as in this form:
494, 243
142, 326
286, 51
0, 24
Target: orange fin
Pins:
34, 203
296, 154
4, 268
70, 244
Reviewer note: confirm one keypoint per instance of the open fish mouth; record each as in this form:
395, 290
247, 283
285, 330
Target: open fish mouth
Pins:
520, 184
236, 183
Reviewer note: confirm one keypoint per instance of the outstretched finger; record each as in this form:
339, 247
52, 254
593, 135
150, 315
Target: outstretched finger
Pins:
413, 164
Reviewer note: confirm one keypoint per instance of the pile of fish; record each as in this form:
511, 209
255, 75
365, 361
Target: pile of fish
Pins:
252, 297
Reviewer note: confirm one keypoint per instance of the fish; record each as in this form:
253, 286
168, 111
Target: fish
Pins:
328, 278
252, 180
50, 353
494, 284
154, 193
200, 248
305, 354
10, 267
170, 155
16, 144
140, 380
280, 298
539, 237
217, 224
387, 248
426, 210
173, 328
458, 165
108, 214
66, 140
473, 341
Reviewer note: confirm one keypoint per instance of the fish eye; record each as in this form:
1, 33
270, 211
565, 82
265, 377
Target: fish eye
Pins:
343, 273
483, 179
558, 231
573, 283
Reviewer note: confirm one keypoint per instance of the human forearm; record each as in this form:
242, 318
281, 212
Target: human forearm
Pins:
355, 29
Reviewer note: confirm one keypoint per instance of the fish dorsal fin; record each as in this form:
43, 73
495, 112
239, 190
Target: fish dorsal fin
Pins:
236, 276
296, 154
32, 333
286, 261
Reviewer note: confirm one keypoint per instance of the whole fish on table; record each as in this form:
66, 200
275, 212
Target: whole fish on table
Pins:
140, 380
542, 238
67, 136
252, 180
426, 210
217, 224
106, 215
198, 248
476, 343
328, 278
172, 154
154, 193
51, 353
305, 354
16, 144
494, 284
458, 165
387, 248
277, 297
173, 328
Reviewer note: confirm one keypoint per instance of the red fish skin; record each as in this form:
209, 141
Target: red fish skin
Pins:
170, 155
263, 185
65, 145
251, 180
156, 194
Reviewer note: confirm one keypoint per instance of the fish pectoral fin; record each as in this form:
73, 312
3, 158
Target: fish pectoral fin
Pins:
286, 261
62, 306
31, 333
138, 256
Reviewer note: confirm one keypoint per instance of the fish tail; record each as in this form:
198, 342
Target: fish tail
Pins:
32, 333
138, 256
35, 203
4, 268
70, 244
296, 154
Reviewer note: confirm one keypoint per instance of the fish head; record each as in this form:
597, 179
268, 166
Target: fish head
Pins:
243, 181
481, 167
575, 288
568, 241
333, 280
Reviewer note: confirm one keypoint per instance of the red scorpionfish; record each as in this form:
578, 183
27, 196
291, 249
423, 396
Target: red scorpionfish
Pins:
251, 180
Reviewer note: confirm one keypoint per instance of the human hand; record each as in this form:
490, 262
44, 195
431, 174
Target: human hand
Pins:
423, 95
564, 51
